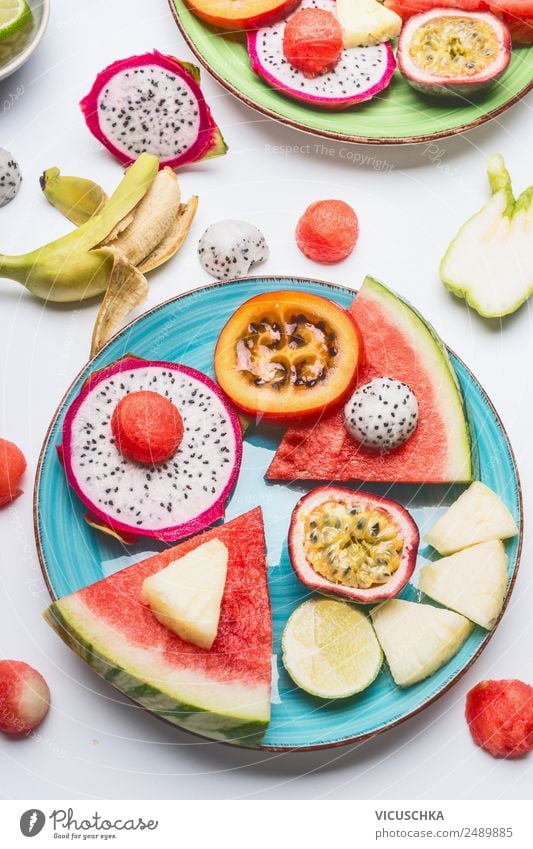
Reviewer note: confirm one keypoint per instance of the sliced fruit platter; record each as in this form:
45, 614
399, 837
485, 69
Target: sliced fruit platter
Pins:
278, 513
366, 70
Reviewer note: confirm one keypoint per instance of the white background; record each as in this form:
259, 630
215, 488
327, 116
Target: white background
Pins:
410, 201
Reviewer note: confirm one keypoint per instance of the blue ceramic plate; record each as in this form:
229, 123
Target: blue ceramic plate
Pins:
72, 555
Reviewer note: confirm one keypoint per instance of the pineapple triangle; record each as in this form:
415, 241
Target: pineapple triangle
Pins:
472, 582
186, 596
417, 639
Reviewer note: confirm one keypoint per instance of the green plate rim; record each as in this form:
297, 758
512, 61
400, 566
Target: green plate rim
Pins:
319, 746
341, 137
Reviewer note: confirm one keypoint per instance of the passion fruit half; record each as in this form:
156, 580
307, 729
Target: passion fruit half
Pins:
453, 52
353, 544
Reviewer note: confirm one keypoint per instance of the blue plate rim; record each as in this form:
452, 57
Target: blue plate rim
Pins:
359, 738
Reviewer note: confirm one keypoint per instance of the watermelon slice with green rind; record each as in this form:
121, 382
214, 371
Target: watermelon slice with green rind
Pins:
398, 343
223, 692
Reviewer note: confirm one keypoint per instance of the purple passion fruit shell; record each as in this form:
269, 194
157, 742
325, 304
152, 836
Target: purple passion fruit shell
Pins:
353, 544
453, 52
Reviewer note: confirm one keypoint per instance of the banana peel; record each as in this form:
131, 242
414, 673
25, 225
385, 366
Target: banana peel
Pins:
76, 198
152, 219
66, 270
174, 238
126, 290
117, 240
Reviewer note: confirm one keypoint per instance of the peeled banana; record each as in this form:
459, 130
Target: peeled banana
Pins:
119, 238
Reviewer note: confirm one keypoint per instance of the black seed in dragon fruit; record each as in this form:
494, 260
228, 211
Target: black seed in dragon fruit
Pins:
382, 414
360, 74
231, 248
10, 177
152, 104
169, 500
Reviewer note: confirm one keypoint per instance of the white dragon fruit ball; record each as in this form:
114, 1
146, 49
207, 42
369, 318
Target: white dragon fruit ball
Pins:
231, 248
10, 177
382, 414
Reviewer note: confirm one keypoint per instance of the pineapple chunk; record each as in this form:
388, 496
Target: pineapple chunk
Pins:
186, 596
477, 516
472, 582
366, 22
417, 639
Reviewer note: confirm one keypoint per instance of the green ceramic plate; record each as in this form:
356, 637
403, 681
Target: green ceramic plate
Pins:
398, 116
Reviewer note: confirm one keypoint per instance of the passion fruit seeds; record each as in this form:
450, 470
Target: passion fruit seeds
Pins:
452, 52
450, 46
354, 545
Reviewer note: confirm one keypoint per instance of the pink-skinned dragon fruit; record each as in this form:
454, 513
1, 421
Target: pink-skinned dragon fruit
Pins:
361, 73
152, 103
170, 500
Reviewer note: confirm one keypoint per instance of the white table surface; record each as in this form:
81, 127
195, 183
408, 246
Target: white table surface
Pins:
410, 201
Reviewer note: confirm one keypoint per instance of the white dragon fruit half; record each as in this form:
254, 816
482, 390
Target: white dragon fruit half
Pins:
10, 177
152, 103
382, 414
170, 500
361, 73
230, 248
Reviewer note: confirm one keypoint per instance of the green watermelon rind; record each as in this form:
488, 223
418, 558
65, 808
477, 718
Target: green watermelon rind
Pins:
413, 315
207, 723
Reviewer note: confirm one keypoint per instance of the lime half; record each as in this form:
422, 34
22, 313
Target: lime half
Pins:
14, 15
330, 649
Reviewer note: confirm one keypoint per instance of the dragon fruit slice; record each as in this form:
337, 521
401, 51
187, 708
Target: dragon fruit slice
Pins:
362, 72
152, 103
170, 500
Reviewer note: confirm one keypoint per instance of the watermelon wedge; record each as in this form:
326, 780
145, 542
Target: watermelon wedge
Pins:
398, 343
223, 692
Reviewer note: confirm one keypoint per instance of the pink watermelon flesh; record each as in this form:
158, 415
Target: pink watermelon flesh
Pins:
397, 344
239, 660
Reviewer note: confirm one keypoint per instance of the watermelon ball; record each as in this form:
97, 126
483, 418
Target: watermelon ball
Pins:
12, 467
24, 697
147, 427
500, 717
327, 231
312, 42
